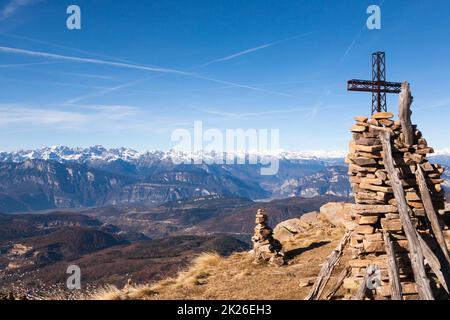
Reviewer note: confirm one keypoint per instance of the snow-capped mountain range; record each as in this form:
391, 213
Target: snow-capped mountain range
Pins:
100, 153
63, 177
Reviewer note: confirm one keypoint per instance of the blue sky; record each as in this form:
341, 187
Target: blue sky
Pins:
137, 70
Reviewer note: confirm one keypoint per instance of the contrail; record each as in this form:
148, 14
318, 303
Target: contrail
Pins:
131, 66
228, 84
358, 35
103, 92
27, 64
95, 54
88, 60
234, 84
247, 51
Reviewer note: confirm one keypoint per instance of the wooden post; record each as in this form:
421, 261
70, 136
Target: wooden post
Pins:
404, 113
327, 268
339, 281
435, 264
394, 277
415, 250
431, 213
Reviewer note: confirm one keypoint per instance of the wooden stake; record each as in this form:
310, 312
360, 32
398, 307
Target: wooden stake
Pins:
327, 268
415, 250
430, 212
394, 277
339, 281
404, 113
435, 264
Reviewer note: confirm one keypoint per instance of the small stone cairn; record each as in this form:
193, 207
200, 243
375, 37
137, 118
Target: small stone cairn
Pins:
265, 246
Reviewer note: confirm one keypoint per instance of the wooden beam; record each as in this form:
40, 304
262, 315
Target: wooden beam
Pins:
435, 264
404, 113
394, 277
339, 281
430, 212
327, 268
415, 250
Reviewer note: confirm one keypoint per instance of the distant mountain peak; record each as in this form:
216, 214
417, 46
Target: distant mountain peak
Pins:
100, 153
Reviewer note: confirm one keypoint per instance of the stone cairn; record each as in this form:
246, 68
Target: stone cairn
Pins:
265, 246
376, 210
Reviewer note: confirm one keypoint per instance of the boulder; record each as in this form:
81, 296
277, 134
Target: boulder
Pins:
335, 213
289, 228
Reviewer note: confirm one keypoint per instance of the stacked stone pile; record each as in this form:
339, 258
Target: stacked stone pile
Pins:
265, 246
376, 209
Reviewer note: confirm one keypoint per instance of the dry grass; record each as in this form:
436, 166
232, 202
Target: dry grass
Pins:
211, 277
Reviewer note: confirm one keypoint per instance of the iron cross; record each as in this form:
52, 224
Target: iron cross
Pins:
378, 86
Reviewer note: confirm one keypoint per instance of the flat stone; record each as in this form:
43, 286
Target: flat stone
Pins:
380, 261
361, 119
391, 224
369, 149
375, 208
376, 181
386, 122
374, 246
376, 188
378, 236
363, 161
358, 128
383, 115
367, 220
412, 196
365, 230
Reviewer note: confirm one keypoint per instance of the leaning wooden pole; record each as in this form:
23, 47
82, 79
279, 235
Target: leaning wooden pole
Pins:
394, 276
415, 250
441, 271
431, 212
327, 268
339, 281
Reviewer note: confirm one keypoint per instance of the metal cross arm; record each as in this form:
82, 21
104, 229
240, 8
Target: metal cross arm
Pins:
373, 86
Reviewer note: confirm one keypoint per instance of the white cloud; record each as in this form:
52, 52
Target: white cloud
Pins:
10, 115
88, 118
13, 6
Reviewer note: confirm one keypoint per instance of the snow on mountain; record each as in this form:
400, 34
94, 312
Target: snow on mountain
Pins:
442, 152
100, 153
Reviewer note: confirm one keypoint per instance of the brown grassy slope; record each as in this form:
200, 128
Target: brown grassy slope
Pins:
236, 277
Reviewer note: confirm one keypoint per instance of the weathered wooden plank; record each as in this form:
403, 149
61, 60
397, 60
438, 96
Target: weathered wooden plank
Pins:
435, 264
339, 281
431, 213
394, 276
415, 250
404, 113
327, 268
